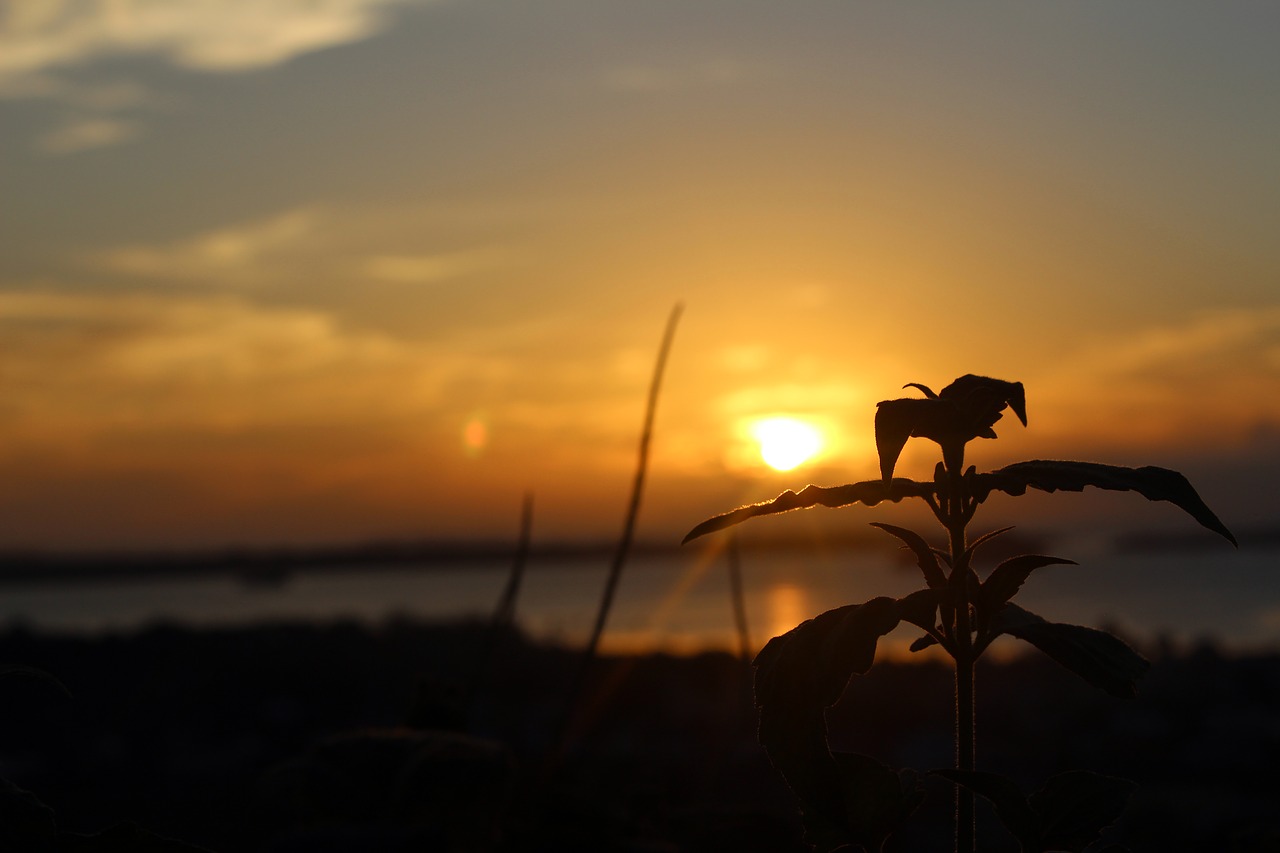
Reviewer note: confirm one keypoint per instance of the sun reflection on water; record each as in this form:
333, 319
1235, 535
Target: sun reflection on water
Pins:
787, 605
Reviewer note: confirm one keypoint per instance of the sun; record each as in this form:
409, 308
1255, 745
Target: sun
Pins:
786, 443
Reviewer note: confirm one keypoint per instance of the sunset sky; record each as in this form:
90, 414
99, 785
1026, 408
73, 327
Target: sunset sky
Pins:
282, 271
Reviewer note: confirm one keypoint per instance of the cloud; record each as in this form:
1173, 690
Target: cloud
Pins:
1209, 378
81, 134
232, 255
90, 365
428, 269
37, 36
42, 40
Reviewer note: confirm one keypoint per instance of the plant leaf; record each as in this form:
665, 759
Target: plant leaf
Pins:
1154, 484
25, 822
920, 608
984, 539
798, 675
1074, 807
877, 800
869, 492
898, 420
1011, 805
926, 557
923, 643
30, 672
1007, 578
1099, 658
987, 397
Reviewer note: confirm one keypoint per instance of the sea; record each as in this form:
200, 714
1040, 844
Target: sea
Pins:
681, 603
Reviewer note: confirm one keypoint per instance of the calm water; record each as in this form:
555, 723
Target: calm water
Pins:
682, 603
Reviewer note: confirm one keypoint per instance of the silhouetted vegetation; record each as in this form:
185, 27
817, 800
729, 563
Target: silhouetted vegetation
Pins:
851, 799
233, 740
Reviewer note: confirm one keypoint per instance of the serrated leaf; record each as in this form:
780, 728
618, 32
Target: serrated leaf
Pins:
1010, 803
869, 492
1007, 578
984, 398
1099, 658
1075, 807
926, 557
798, 675
1154, 484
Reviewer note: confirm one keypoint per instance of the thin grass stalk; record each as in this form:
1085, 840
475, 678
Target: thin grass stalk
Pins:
629, 524
504, 614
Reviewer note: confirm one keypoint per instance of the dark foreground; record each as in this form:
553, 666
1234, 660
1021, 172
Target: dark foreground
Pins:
346, 738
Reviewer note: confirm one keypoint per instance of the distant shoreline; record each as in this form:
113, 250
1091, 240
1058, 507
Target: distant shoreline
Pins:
273, 564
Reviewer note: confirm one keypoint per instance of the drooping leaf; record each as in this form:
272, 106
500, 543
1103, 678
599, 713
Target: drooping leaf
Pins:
1075, 807
18, 670
124, 836
926, 558
869, 492
25, 822
1010, 803
1099, 658
1154, 484
798, 675
923, 643
898, 420
1007, 578
982, 399
877, 801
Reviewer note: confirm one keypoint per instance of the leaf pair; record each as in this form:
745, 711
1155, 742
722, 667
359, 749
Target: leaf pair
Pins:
1154, 484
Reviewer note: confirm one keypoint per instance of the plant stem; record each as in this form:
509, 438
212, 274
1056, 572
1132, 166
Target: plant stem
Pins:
957, 520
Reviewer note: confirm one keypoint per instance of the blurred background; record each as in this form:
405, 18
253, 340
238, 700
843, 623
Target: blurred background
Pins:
286, 275
299, 299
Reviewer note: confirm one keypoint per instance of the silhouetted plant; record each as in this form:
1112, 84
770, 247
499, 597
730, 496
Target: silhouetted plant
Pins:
850, 799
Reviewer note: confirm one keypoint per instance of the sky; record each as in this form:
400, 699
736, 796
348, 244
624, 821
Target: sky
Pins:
326, 271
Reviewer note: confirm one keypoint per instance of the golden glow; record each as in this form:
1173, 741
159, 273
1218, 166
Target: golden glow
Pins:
788, 605
786, 443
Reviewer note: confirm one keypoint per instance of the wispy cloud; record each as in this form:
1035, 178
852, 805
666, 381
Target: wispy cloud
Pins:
428, 269
42, 41
234, 255
88, 365
37, 36
1210, 377
83, 133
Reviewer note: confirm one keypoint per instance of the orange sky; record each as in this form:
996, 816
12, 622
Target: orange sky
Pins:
275, 271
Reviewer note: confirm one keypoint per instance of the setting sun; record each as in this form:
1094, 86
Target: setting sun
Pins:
786, 442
